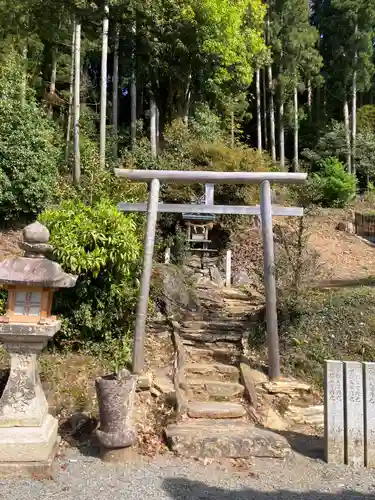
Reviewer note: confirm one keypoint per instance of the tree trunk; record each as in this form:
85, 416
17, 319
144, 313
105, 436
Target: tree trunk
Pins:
232, 129
153, 138
347, 134
317, 104
157, 128
354, 108
272, 114
52, 87
282, 133
259, 110
103, 88
133, 92
115, 93
71, 87
24, 76
187, 101
354, 121
281, 121
296, 124
309, 99
265, 128
77, 103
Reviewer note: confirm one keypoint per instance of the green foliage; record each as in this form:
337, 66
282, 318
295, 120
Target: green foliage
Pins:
202, 45
346, 44
294, 44
310, 335
331, 143
206, 125
100, 245
338, 187
97, 182
330, 186
3, 301
365, 152
29, 152
366, 118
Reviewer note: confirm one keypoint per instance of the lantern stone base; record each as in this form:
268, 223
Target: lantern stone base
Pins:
41, 469
28, 433
28, 444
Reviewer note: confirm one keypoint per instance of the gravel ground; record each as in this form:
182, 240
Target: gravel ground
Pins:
87, 478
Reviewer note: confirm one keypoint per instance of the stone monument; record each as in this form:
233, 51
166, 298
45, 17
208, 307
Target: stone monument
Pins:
28, 433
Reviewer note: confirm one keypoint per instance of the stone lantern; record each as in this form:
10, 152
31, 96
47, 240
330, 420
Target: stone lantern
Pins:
28, 433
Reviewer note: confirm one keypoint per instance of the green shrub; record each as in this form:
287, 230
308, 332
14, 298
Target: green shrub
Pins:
332, 186
338, 187
29, 152
100, 245
206, 125
3, 301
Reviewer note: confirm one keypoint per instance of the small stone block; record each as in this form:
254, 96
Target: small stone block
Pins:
144, 382
219, 389
215, 410
334, 412
286, 386
369, 408
354, 424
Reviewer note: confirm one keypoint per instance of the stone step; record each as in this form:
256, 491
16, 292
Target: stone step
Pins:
234, 293
200, 336
212, 371
215, 389
215, 410
225, 439
227, 353
214, 325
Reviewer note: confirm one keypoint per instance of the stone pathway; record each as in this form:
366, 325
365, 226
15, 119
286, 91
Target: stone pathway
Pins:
216, 420
170, 478
224, 401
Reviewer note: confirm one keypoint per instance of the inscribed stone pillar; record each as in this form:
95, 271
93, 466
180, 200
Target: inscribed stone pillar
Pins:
354, 431
334, 412
369, 413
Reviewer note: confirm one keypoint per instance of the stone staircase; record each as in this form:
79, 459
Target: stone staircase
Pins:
213, 415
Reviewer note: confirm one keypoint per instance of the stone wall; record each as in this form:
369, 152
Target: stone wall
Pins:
203, 268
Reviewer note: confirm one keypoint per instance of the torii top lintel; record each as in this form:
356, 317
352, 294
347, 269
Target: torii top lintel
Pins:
213, 177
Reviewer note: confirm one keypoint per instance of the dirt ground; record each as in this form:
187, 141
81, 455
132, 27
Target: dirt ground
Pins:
342, 256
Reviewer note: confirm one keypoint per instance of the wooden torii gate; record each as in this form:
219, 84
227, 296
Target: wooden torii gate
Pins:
266, 211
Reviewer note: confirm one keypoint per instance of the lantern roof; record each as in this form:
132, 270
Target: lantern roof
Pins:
34, 269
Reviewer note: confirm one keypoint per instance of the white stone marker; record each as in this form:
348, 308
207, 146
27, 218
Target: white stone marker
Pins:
354, 424
228, 269
167, 256
334, 411
369, 408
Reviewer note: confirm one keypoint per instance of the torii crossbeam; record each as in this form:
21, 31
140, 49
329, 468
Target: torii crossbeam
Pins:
266, 211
